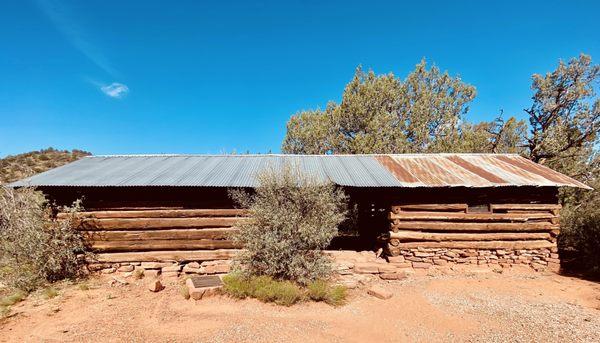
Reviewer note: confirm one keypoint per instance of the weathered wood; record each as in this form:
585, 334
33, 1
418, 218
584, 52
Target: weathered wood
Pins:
535, 207
130, 235
454, 226
517, 217
509, 245
162, 213
165, 256
405, 236
430, 207
156, 223
163, 244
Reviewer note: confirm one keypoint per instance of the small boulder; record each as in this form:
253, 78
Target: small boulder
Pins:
125, 269
155, 286
194, 265
379, 292
108, 270
366, 268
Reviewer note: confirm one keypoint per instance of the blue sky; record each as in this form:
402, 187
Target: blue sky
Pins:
118, 77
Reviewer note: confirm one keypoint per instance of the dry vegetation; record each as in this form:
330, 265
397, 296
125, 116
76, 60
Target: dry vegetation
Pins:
13, 168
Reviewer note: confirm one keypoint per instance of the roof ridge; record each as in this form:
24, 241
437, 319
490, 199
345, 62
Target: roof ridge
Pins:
300, 155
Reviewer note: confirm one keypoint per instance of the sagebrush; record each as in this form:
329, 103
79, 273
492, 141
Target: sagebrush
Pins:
35, 248
292, 218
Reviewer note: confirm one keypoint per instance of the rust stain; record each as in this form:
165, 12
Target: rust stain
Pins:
540, 170
435, 166
477, 170
422, 172
399, 172
523, 176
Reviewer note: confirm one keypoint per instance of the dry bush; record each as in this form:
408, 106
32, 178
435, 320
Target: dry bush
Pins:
13, 168
34, 248
292, 219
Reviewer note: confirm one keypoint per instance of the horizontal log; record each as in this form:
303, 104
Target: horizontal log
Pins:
509, 245
156, 223
405, 236
430, 207
519, 217
161, 213
162, 244
454, 226
165, 256
114, 235
535, 207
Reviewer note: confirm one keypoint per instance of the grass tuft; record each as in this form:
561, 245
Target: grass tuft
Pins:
13, 298
49, 293
184, 291
281, 292
138, 273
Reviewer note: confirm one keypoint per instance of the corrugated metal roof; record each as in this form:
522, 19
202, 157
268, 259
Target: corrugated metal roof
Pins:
409, 170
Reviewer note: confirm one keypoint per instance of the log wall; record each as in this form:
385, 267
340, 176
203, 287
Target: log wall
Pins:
162, 234
457, 232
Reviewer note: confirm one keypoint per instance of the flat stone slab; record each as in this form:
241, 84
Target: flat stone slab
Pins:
201, 286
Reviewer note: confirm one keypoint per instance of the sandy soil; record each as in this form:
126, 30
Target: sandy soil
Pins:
491, 307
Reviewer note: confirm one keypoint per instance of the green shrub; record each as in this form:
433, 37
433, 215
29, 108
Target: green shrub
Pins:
34, 248
281, 292
292, 218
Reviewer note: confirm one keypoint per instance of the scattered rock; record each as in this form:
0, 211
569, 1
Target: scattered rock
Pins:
128, 268
151, 273
366, 268
396, 259
421, 265
387, 268
173, 268
379, 292
155, 286
198, 293
194, 265
188, 269
117, 281
108, 270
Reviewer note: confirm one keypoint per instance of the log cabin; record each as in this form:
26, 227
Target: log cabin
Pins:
424, 208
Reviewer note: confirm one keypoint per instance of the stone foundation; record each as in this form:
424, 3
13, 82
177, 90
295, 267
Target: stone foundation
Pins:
354, 269
165, 269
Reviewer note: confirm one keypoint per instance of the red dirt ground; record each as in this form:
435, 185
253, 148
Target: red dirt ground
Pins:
487, 307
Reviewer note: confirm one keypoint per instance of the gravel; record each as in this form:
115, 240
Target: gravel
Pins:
531, 321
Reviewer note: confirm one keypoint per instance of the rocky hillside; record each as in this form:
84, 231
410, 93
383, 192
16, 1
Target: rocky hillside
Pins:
16, 167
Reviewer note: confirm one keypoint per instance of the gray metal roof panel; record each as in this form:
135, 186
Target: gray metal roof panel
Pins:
409, 170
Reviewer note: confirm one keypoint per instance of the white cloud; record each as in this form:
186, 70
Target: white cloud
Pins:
115, 90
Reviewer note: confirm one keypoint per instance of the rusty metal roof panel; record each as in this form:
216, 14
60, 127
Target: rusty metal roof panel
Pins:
409, 170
